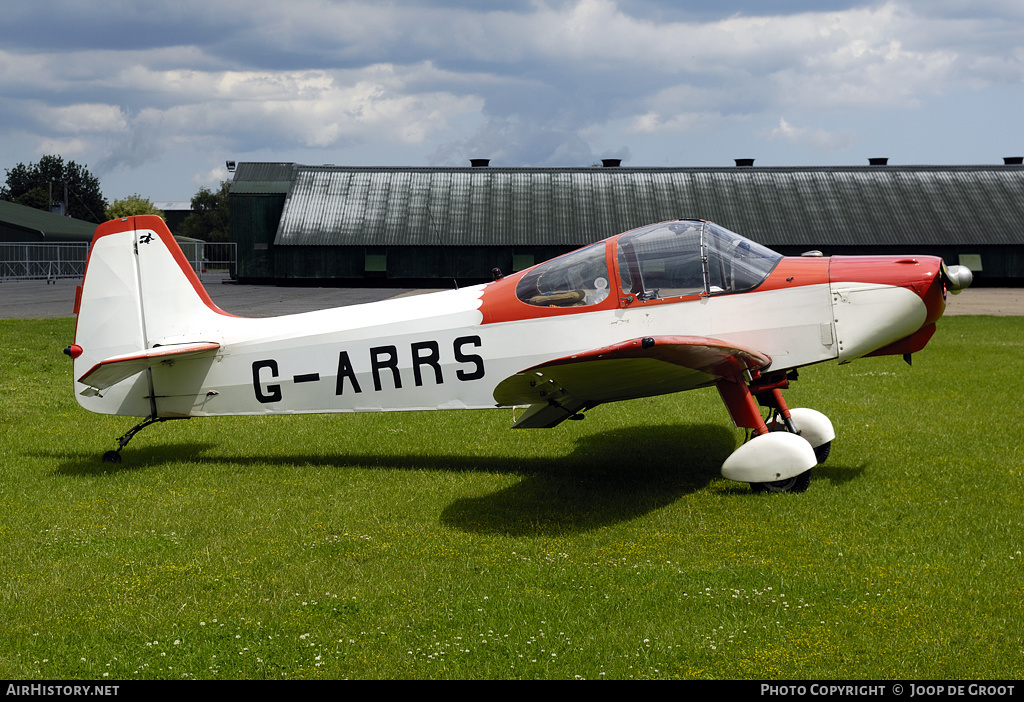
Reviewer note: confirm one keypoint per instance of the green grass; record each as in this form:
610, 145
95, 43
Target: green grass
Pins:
443, 545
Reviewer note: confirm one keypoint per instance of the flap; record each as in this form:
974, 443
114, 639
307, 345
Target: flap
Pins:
635, 368
116, 368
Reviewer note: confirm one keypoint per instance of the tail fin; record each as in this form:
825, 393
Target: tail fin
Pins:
139, 293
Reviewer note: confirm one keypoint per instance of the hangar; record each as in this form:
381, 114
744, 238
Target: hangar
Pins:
37, 244
41, 245
26, 224
299, 224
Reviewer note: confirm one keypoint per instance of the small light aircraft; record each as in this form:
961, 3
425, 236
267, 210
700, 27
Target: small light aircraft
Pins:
659, 309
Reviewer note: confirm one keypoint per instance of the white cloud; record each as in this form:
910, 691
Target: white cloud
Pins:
530, 82
813, 137
250, 109
654, 123
210, 179
68, 148
84, 119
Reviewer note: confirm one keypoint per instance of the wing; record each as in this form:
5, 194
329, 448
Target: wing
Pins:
558, 389
116, 368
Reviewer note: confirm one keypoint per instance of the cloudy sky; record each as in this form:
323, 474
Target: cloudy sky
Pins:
155, 96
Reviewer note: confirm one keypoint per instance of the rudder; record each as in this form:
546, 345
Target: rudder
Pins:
139, 292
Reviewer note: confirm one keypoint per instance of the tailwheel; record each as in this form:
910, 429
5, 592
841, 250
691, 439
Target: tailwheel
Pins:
115, 455
798, 483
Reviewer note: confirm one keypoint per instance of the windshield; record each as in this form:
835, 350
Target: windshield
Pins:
690, 257
574, 280
735, 263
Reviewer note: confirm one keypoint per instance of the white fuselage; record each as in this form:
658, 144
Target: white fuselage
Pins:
434, 351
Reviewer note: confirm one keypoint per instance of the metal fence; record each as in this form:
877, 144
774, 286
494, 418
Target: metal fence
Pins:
42, 261
49, 262
207, 257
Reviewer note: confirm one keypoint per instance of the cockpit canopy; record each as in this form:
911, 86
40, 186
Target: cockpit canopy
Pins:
670, 259
576, 279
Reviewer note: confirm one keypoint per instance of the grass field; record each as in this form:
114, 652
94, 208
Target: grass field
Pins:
443, 545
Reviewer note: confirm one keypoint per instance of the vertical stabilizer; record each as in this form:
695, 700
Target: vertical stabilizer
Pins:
139, 293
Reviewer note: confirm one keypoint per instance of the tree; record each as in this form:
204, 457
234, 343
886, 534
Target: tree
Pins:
42, 185
210, 219
130, 206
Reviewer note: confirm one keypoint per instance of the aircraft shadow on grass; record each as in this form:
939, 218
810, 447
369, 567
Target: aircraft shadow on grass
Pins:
609, 477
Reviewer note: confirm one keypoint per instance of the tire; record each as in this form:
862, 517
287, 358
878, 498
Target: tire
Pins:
822, 452
798, 483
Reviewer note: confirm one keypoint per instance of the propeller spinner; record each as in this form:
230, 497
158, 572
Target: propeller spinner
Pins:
956, 277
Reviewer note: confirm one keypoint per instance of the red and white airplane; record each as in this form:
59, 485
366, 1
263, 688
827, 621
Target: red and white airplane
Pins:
659, 309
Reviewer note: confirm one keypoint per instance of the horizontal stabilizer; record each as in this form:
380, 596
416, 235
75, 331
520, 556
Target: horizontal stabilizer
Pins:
117, 368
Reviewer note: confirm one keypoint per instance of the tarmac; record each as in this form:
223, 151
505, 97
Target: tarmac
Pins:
38, 299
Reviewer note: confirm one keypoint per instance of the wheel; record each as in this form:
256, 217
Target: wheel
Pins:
822, 452
112, 457
798, 483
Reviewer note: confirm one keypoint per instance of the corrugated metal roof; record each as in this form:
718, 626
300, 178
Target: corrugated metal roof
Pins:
869, 205
263, 178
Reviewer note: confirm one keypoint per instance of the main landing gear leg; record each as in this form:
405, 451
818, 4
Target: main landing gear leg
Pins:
773, 460
812, 425
115, 455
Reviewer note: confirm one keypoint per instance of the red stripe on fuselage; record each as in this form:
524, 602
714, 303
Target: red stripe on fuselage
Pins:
500, 303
